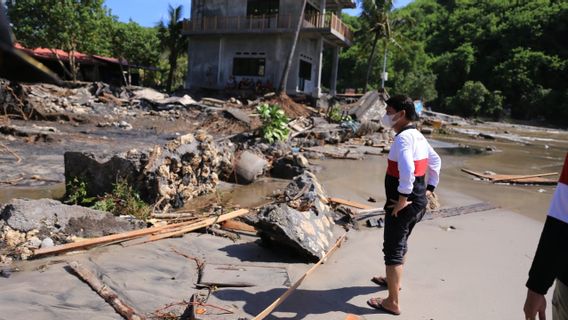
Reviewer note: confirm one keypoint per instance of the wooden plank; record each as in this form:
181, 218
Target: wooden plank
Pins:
237, 225
109, 295
266, 312
106, 239
198, 225
456, 211
526, 177
350, 203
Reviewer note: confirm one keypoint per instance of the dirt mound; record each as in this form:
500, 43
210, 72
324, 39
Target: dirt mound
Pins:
290, 107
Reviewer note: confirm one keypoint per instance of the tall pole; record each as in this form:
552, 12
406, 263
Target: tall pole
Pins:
384, 74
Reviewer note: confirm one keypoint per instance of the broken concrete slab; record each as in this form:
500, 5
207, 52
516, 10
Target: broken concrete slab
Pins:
371, 106
31, 224
182, 169
232, 275
238, 114
51, 216
304, 223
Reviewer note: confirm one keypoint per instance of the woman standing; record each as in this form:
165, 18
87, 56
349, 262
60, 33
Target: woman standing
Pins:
410, 158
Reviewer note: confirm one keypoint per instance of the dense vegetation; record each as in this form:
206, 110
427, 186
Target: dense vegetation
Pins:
88, 26
474, 58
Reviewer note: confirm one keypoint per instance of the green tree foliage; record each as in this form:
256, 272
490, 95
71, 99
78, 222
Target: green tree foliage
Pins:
494, 54
473, 99
172, 41
82, 25
69, 25
137, 44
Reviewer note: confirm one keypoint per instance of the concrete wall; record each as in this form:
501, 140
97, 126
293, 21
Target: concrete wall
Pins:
210, 69
211, 57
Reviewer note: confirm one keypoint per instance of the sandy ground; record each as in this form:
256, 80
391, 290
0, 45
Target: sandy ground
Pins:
475, 271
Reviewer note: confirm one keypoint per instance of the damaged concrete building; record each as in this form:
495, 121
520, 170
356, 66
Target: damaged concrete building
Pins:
244, 44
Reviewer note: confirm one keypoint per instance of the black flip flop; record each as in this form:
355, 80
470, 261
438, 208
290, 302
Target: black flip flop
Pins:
379, 306
381, 281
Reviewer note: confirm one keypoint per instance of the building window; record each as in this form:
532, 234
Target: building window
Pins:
249, 67
260, 7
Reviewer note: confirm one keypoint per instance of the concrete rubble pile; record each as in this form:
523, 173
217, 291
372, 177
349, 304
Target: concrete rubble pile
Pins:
302, 222
169, 175
26, 225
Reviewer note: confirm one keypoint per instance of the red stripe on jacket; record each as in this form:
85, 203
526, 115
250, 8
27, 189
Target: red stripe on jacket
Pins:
420, 167
564, 175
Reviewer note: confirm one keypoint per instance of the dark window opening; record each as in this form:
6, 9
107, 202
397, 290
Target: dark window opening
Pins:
305, 70
250, 67
260, 7
305, 74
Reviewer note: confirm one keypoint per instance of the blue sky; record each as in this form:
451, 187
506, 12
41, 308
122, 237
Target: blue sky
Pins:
149, 12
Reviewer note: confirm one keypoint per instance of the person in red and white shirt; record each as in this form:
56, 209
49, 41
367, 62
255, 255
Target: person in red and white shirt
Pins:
551, 259
413, 171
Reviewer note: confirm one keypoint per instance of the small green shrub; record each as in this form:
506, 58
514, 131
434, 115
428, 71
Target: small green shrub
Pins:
76, 193
274, 122
337, 115
124, 200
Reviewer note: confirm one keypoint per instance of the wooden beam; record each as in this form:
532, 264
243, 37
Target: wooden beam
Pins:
514, 177
266, 312
109, 295
350, 203
198, 225
106, 239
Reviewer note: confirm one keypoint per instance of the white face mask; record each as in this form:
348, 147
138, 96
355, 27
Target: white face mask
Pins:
388, 120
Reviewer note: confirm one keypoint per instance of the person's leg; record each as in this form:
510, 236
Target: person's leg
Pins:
560, 302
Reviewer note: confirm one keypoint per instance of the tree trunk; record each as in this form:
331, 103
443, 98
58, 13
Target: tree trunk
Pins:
284, 79
173, 67
62, 64
370, 61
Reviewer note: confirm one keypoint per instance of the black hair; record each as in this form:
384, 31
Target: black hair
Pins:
401, 102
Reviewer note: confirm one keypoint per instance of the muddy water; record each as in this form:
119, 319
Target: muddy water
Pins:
55, 191
359, 180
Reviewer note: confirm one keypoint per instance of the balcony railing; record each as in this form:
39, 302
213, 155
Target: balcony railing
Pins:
267, 23
329, 22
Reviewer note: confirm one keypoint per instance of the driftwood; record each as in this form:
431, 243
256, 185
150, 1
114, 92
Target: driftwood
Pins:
266, 312
198, 225
351, 203
18, 158
520, 179
104, 240
105, 292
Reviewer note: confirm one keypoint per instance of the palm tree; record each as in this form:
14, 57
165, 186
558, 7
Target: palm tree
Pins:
375, 15
172, 40
284, 79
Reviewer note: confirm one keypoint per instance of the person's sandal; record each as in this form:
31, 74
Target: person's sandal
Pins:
377, 303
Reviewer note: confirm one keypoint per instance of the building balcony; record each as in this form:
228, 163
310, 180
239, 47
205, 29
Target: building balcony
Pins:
328, 25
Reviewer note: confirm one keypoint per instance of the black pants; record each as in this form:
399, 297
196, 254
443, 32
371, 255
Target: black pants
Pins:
397, 230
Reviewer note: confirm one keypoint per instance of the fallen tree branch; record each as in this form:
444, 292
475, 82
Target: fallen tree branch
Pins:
105, 292
18, 158
266, 312
198, 225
